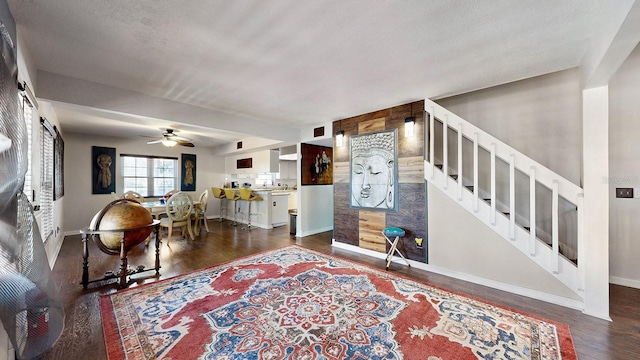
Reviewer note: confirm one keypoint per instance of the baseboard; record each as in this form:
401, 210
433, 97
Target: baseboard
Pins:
53, 259
72, 232
314, 231
624, 282
518, 290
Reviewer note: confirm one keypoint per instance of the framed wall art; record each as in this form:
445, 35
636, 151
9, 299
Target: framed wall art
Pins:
103, 170
188, 173
316, 165
374, 171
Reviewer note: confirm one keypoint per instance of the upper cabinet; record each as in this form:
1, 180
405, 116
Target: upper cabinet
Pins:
258, 162
288, 169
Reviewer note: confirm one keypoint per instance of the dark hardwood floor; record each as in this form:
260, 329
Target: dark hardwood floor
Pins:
83, 337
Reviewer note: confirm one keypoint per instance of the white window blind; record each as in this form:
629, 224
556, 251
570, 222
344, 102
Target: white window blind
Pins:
148, 175
46, 186
27, 111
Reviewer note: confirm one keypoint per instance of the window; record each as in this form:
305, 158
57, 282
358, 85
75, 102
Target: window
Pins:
148, 175
27, 111
264, 180
46, 180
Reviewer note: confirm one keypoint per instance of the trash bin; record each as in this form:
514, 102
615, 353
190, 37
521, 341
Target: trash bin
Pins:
292, 223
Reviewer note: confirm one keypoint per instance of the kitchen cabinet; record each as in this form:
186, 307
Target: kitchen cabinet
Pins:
279, 209
293, 200
288, 169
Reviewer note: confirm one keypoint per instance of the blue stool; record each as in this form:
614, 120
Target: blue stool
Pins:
398, 233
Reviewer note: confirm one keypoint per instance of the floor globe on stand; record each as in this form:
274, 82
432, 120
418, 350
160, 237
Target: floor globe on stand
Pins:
121, 214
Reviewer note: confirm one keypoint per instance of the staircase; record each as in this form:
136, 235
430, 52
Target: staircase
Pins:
536, 210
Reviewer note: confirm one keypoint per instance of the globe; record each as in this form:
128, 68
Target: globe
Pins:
121, 214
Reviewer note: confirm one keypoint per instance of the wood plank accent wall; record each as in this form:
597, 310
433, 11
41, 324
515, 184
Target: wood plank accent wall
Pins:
363, 228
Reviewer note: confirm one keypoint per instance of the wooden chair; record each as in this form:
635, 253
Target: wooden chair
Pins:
179, 208
170, 193
132, 195
200, 212
166, 197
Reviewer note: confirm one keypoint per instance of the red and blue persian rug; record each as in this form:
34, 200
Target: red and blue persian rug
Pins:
295, 303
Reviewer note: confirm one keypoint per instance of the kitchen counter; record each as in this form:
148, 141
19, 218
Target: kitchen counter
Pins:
271, 212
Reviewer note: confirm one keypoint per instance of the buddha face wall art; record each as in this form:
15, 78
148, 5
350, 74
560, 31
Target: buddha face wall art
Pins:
374, 169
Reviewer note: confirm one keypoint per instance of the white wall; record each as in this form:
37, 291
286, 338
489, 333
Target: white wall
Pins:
541, 117
80, 205
315, 214
315, 202
624, 171
459, 242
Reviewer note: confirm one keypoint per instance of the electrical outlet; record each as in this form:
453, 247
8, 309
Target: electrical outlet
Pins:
624, 192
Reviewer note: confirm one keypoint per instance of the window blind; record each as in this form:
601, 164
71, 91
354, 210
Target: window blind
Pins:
46, 186
27, 111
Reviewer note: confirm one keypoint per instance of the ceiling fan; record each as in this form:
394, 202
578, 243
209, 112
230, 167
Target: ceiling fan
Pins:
169, 139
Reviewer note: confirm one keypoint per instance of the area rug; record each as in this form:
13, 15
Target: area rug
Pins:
295, 303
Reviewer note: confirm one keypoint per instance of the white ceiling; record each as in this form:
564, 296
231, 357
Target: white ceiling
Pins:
291, 63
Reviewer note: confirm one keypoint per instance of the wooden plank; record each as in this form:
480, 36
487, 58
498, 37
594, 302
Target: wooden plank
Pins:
345, 219
341, 172
372, 125
371, 225
412, 218
411, 170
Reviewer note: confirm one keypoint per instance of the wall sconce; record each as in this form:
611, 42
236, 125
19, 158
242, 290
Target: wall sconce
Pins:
340, 135
409, 124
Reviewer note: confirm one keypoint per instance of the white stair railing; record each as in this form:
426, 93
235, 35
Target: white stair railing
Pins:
548, 257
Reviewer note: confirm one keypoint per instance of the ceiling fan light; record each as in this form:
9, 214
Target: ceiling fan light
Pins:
169, 142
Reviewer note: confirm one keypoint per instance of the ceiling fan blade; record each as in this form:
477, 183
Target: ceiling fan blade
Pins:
154, 142
186, 143
180, 138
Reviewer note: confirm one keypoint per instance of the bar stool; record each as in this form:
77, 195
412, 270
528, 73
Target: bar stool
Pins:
218, 193
398, 233
231, 195
247, 195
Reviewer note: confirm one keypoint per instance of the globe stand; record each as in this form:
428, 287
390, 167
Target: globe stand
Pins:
125, 271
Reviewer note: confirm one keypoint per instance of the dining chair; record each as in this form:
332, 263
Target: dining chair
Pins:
200, 212
169, 193
166, 197
179, 208
132, 195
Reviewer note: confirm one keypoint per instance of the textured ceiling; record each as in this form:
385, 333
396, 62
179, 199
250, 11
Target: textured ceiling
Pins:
299, 63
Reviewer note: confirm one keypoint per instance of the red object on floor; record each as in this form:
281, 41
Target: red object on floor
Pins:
294, 303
